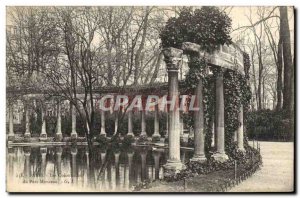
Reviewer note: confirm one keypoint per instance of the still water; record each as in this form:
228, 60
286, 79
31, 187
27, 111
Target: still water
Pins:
65, 168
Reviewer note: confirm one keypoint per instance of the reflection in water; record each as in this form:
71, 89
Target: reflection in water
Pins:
72, 166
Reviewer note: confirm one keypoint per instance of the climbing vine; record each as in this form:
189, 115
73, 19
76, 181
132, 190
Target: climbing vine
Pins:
210, 28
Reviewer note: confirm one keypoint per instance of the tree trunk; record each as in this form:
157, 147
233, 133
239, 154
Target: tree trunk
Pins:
288, 91
279, 77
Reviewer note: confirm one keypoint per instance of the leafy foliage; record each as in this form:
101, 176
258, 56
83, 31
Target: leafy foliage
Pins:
209, 27
269, 125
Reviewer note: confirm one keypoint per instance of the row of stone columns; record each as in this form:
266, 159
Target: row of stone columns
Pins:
173, 57
58, 130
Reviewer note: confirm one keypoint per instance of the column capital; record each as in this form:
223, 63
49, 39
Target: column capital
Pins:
173, 56
190, 47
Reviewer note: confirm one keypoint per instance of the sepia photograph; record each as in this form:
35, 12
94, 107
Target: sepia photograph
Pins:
150, 99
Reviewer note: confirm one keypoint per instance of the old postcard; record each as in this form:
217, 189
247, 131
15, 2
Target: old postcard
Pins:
150, 99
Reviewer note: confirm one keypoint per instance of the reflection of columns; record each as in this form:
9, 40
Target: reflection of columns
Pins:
220, 152
43, 135
103, 156
74, 166
27, 124
43, 165
58, 160
156, 134
173, 57
131, 175
27, 152
144, 165
240, 131
156, 156
88, 168
11, 164
130, 132
199, 154
117, 165
143, 123
11, 134
58, 134
102, 123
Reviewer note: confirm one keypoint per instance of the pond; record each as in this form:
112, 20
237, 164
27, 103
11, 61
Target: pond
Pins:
67, 168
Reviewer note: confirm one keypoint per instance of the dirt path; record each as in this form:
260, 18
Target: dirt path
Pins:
277, 172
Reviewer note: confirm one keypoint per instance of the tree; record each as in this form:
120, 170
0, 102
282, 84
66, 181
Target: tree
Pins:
288, 91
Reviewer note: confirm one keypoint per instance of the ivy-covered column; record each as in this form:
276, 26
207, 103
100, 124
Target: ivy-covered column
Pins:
197, 68
199, 154
173, 57
220, 155
73, 118
58, 134
240, 131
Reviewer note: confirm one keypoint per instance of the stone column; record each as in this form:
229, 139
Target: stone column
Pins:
156, 135
220, 155
116, 124
103, 132
58, 135
43, 135
73, 118
27, 134
199, 154
143, 124
167, 125
173, 57
240, 131
11, 135
130, 132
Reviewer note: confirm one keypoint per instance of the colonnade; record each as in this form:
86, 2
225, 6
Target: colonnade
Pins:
173, 58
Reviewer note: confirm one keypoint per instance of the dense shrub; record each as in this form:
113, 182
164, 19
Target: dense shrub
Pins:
270, 125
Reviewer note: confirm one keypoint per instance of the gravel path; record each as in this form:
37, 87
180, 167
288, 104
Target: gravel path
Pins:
277, 172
